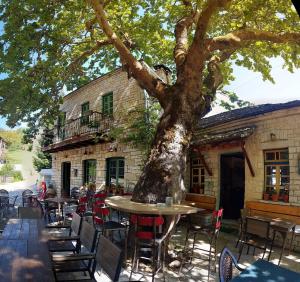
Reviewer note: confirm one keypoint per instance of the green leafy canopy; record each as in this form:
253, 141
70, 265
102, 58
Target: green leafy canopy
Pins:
42, 43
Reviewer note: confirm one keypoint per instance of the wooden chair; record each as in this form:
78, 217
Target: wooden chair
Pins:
65, 243
108, 257
25, 198
256, 235
83, 262
226, 262
30, 213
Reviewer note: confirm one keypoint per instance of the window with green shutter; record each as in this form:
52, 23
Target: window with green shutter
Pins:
85, 109
61, 124
89, 171
107, 104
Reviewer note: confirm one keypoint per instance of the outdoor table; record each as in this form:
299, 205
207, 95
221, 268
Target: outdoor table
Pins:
172, 213
24, 253
60, 201
124, 204
281, 226
264, 271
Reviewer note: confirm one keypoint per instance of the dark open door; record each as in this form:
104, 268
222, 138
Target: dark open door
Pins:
232, 184
66, 178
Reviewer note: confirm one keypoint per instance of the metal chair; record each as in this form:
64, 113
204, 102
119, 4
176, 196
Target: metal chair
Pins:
211, 231
108, 257
226, 262
25, 196
256, 235
148, 237
83, 262
65, 243
244, 213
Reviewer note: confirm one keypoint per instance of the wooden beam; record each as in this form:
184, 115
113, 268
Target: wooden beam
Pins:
201, 157
247, 159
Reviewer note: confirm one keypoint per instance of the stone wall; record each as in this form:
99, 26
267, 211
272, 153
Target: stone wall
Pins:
285, 126
99, 152
127, 96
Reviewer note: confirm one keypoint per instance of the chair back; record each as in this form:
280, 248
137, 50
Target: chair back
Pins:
25, 194
257, 227
142, 224
4, 192
227, 260
88, 236
76, 223
217, 219
75, 192
29, 213
109, 258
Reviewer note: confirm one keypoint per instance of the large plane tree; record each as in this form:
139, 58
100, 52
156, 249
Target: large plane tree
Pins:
49, 45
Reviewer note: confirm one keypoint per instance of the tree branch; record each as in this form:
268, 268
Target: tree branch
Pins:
197, 52
153, 84
87, 53
241, 38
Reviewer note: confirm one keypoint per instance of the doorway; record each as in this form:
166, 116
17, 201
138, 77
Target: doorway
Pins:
65, 178
232, 184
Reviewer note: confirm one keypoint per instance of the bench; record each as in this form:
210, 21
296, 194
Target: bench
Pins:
273, 210
201, 201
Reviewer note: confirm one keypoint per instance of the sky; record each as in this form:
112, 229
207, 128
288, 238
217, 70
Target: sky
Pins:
250, 86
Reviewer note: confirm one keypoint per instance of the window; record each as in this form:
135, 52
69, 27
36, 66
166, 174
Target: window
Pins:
277, 173
61, 125
85, 110
198, 177
107, 104
115, 172
89, 171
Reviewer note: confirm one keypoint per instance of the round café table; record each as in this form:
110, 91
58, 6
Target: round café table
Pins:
124, 203
172, 213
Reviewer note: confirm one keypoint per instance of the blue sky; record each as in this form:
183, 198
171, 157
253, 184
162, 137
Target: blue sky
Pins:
250, 86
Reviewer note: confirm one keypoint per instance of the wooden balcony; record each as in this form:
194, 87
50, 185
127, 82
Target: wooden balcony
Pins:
80, 132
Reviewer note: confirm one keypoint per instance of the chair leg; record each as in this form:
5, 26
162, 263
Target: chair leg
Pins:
241, 250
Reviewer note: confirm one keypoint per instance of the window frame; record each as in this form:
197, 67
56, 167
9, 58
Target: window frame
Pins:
199, 185
118, 172
85, 113
277, 165
108, 106
86, 171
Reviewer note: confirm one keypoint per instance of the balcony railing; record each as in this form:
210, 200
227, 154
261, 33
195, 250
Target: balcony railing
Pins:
94, 122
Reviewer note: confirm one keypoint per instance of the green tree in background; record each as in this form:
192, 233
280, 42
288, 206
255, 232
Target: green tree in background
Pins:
47, 46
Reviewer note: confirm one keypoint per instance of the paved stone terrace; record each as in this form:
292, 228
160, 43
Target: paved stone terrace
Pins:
197, 271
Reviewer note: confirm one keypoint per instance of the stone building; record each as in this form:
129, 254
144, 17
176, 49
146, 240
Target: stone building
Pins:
82, 150
245, 157
249, 157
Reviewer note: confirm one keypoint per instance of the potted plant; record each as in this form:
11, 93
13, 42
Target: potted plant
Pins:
266, 196
274, 195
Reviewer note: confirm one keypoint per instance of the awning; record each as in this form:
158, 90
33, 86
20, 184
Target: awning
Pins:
225, 136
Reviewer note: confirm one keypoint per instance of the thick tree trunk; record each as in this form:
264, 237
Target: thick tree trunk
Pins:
163, 174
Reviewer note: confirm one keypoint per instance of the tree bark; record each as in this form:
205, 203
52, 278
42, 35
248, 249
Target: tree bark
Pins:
163, 174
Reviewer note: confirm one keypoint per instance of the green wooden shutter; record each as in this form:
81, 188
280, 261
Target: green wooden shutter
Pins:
107, 104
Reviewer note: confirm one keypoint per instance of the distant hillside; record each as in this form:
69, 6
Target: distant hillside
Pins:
13, 138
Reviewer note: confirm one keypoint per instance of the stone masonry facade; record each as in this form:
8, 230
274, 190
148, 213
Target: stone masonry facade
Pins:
127, 95
284, 126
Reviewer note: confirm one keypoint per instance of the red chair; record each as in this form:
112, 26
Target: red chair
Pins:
148, 236
82, 205
211, 231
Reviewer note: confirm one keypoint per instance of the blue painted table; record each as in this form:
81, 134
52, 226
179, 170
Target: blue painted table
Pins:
264, 271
